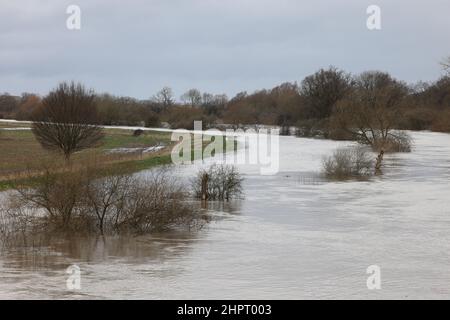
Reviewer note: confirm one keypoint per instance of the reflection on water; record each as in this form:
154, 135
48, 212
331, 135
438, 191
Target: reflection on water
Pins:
43, 257
52, 253
292, 236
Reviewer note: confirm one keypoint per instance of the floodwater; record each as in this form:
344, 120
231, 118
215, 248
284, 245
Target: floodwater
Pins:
293, 236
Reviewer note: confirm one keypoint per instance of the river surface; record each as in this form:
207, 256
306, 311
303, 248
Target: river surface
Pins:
293, 236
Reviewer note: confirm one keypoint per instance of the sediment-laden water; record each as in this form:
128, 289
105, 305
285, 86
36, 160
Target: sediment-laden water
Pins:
293, 236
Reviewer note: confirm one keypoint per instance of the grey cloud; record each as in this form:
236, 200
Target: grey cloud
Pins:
136, 47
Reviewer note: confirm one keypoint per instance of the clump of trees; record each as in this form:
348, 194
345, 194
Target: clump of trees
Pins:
67, 121
8, 106
312, 105
126, 111
282, 105
29, 104
192, 97
18, 107
323, 89
217, 182
164, 97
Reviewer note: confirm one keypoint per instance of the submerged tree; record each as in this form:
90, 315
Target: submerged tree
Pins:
67, 120
369, 113
218, 182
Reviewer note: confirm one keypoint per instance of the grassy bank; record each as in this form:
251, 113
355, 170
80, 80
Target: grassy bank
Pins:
23, 157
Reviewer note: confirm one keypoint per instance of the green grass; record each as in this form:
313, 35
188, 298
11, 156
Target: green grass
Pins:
13, 125
125, 139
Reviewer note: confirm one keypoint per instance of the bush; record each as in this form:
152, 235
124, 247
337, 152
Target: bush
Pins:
86, 202
347, 163
217, 182
396, 141
156, 203
58, 196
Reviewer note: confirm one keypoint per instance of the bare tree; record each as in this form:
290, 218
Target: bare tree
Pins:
207, 99
446, 65
67, 120
323, 89
192, 97
370, 112
218, 182
221, 99
164, 97
105, 198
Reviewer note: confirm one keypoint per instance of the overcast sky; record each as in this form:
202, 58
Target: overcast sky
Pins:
135, 47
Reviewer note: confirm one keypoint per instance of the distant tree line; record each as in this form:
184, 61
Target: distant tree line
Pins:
329, 102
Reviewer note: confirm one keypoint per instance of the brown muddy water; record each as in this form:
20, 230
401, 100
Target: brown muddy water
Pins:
293, 236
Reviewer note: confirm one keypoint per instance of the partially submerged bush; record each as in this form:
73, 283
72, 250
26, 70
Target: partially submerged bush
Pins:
58, 196
347, 163
397, 141
155, 203
217, 182
85, 202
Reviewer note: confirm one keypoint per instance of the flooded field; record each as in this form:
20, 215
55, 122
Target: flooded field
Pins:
293, 236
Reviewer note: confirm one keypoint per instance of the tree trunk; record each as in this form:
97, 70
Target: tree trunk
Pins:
379, 162
204, 190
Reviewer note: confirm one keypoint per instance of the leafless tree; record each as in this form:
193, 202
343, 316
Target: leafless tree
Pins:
192, 97
446, 65
59, 195
8, 105
218, 182
67, 120
164, 97
105, 198
370, 112
207, 99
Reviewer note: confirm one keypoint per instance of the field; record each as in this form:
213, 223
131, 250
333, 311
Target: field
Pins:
21, 153
22, 156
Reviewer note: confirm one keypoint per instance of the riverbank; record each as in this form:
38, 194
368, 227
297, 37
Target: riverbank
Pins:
23, 159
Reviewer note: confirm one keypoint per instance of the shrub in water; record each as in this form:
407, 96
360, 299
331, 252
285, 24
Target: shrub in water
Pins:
347, 163
217, 182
